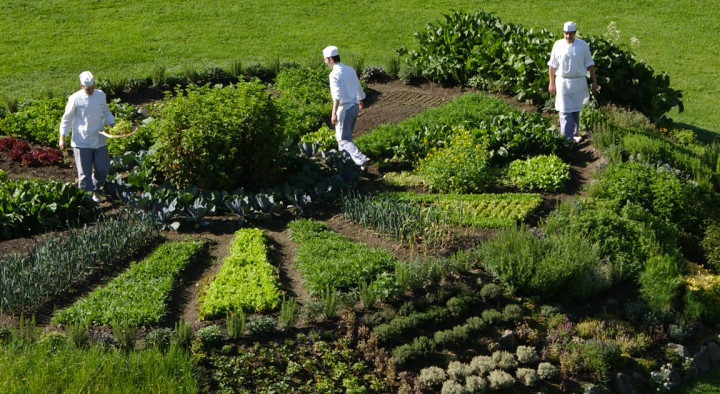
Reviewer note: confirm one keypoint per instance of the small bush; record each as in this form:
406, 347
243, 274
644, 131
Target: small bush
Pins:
218, 138
461, 167
547, 371
482, 365
184, 334
458, 371
527, 376
526, 354
513, 313
661, 282
475, 324
500, 380
432, 376
544, 172
160, 338
289, 312
235, 324
504, 360
492, 316
261, 327
452, 387
475, 384
211, 336
491, 292
125, 335
600, 358
711, 247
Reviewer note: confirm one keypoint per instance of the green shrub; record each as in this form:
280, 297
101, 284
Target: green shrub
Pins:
159, 338
500, 380
432, 376
627, 235
218, 138
491, 292
184, 334
289, 313
78, 335
544, 172
711, 247
482, 365
461, 167
547, 267
261, 327
303, 101
547, 371
504, 360
526, 354
235, 324
36, 121
452, 387
661, 282
600, 358
125, 334
458, 370
470, 49
211, 336
475, 384
527, 376
513, 313
491, 316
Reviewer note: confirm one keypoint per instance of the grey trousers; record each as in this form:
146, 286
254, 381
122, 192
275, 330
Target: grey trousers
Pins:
569, 123
346, 117
85, 160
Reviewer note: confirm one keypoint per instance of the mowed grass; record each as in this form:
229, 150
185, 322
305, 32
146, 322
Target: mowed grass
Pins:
46, 43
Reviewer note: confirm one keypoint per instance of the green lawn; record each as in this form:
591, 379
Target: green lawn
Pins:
46, 43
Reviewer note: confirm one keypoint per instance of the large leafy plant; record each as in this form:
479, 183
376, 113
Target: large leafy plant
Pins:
36, 121
478, 49
218, 138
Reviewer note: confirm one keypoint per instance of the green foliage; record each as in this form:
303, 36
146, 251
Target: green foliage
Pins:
661, 281
500, 380
329, 301
36, 121
504, 360
600, 358
432, 376
304, 99
246, 282
544, 172
491, 292
461, 167
218, 138
626, 233
235, 324
414, 137
324, 137
548, 267
482, 365
51, 366
138, 296
211, 336
492, 316
481, 51
125, 334
261, 327
327, 259
527, 376
30, 205
657, 189
78, 335
53, 264
289, 313
711, 247
526, 354
547, 371
304, 364
513, 313
184, 334
419, 348
160, 338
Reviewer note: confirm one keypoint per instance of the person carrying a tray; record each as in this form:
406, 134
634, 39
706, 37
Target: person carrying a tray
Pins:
87, 113
570, 61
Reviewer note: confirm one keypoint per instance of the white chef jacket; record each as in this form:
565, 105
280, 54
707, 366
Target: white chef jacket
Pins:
344, 85
87, 115
571, 62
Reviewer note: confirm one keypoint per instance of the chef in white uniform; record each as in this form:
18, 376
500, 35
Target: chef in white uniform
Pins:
570, 61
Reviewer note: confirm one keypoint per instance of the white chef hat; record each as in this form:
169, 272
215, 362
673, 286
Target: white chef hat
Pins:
569, 27
330, 51
86, 79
